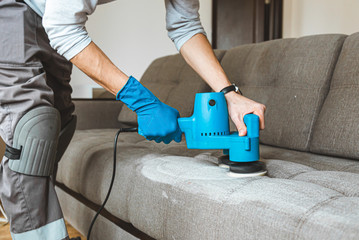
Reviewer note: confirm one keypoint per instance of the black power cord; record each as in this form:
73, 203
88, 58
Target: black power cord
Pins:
112, 179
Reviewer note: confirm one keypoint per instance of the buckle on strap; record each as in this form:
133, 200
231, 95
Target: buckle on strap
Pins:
12, 153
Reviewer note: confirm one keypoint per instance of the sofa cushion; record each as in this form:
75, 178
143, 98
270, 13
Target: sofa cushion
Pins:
291, 77
174, 82
171, 192
80, 216
337, 130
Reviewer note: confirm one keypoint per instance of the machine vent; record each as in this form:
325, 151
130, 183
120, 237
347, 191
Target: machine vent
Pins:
206, 134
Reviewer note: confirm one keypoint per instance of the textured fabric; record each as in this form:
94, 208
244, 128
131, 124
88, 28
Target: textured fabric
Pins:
182, 20
28, 79
299, 160
95, 114
173, 82
65, 21
39, 5
337, 130
291, 77
171, 192
80, 217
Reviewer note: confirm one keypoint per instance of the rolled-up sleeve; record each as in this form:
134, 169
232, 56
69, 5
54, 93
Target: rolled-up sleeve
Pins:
182, 20
64, 22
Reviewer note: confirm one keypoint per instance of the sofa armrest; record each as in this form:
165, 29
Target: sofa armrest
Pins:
97, 113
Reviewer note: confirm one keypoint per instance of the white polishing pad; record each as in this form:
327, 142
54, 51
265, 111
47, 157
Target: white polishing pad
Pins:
244, 175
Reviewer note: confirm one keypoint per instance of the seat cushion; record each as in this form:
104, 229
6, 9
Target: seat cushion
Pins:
171, 192
291, 77
337, 130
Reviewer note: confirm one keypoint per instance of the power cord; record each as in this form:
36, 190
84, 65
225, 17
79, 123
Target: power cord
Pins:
112, 179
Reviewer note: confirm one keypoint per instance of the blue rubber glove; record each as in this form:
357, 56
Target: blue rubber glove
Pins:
156, 120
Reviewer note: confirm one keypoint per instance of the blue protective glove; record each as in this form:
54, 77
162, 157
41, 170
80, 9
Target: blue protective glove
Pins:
156, 120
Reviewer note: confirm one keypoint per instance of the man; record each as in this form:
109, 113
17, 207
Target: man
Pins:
40, 39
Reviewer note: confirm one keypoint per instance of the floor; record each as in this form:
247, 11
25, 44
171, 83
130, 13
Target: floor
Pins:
5, 232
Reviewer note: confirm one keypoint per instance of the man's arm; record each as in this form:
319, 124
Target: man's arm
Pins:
64, 21
94, 63
186, 31
156, 120
199, 55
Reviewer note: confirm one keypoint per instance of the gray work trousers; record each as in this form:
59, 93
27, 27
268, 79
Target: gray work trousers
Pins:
32, 74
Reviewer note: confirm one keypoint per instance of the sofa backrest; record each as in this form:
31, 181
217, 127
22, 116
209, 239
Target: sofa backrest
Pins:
336, 131
310, 87
291, 77
174, 82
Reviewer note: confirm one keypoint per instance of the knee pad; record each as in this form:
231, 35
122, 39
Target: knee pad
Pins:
35, 142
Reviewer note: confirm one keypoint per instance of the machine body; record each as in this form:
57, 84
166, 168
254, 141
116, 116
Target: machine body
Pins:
208, 128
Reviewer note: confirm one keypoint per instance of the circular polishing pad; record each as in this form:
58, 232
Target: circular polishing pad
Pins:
247, 169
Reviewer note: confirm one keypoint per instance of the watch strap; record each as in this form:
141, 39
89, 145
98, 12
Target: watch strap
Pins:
231, 88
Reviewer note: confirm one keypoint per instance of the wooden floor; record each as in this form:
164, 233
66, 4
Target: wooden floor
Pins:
5, 232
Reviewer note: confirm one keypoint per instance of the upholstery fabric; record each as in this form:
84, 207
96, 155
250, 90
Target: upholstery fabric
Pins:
174, 82
171, 192
80, 216
337, 130
97, 113
291, 77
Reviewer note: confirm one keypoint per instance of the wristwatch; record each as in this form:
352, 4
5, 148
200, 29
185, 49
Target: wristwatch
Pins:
231, 88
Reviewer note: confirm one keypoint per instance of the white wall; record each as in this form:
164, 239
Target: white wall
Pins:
132, 33
308, 17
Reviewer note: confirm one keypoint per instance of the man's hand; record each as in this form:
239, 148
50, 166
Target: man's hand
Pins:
159, 122
239, 106
156, 120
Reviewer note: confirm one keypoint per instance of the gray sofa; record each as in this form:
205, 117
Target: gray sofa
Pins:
310, 86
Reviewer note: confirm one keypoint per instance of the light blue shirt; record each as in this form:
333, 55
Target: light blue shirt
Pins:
64, 22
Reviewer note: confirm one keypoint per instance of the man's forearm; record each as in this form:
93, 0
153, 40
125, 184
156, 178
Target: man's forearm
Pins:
95, 64
199, 55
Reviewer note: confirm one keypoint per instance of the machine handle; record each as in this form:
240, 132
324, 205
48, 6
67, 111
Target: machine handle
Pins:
185, 123
252, 123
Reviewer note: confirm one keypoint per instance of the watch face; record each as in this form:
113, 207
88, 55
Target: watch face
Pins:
235, 88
